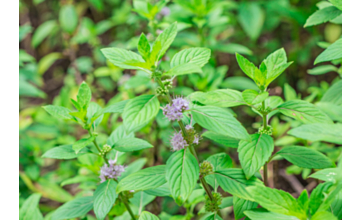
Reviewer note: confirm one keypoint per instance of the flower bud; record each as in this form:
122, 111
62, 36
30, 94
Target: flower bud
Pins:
213, 205
206, 168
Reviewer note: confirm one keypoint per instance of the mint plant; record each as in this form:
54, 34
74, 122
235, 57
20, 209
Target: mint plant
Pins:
181, 117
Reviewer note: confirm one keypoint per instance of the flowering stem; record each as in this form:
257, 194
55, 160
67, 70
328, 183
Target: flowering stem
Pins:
192, 150
124, 200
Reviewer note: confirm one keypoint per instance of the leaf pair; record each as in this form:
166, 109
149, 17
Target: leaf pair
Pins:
269, 69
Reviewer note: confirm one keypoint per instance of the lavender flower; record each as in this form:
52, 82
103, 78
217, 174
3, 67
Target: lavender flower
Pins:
178, 142
188, 127
174, 111
111, 171
165, 11
196, 139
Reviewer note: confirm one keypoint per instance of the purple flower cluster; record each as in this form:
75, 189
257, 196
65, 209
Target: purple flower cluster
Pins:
177, 141
175, 110
111, 171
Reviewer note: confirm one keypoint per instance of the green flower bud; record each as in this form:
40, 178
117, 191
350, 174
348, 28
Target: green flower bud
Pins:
213, 205
206, 168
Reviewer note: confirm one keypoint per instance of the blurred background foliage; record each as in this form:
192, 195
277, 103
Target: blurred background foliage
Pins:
59, 47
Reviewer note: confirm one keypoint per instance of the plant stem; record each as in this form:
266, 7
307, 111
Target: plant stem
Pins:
264, 116
127, 206
191, 148
265, 174
97, 147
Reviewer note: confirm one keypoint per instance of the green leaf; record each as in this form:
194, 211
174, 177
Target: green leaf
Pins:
165, 39
233, 181
222, 139
332, 175
197, 55
117, 107
323, 215
241, 205
118, 134
131, 144
183, 69
219, 161
219, 98
212, 216
336, 206
304, 112
58, 112
132, 168
333, 52
251, 18
92, 109
261, 214
47, 61
148, 178
84, 96
322, 16
277, 201
248, 68
73, 209
80, 144
139, 111
29, 210
303, 200
119, 57
305, 157
79, 179
319, 70
68, 18
334, 94
64, 152
144, 46
337, 3
220, 121
42, 32
147, 216
319, 132
182, 173
289, 92
253, 155
252, 97
318, 195
160, 191
238, 83
104, 198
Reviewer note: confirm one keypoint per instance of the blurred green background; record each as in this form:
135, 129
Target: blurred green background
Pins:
59, 47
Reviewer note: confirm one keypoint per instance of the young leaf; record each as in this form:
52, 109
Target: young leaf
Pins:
319, 70
261, 214
139, 111
64, 152
277, 201
222, 139
305, 157
73, 209
182, 172
304, 112
289, 93
80, 144
131, 144
337, 3
84, 96
247, 67
58, 112
241, 205
233, 181
323, 215
92, 109
322, 16
333, 52
42, 32
219, 98
303, 200
183, 69
319, 132
144, 47
119, 57
212, 216
29, 210
104, 198
220, 121
147, 216
219, 161
252, 97
165, 39
197, 55
253, 155
148, 178
118, 134
68, 18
